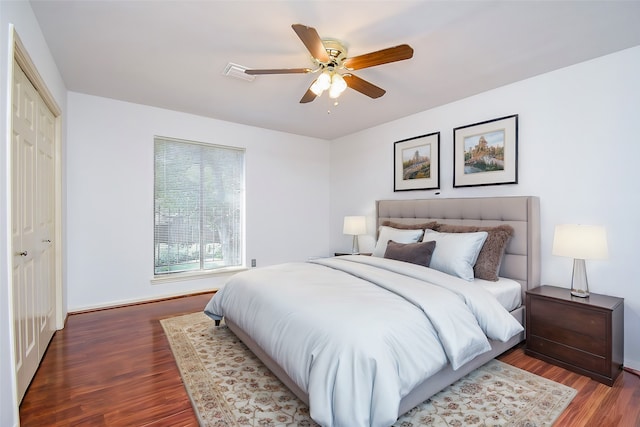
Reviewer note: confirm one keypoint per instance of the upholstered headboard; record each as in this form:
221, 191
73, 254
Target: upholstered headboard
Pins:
521, 261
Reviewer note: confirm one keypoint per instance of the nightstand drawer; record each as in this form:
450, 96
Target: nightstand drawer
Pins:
567, 354
584, 321
573, 326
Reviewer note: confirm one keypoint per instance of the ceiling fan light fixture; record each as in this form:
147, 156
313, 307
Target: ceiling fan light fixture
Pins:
316, 89
324, 80
338, 85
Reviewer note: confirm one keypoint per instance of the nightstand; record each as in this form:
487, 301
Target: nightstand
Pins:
584, 335
345, 253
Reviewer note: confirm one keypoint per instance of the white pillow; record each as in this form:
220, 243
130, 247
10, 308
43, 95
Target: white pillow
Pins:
455, 253
395, 234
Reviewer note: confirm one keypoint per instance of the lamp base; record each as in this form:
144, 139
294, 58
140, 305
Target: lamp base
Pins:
580, 293
355, 250
579, 283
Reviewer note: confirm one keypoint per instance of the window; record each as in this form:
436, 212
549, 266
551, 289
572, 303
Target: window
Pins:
198, 206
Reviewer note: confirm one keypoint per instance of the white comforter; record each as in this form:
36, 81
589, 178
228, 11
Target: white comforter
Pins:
358, 333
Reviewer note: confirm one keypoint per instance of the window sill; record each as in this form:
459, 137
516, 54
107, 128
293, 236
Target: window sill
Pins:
179, 277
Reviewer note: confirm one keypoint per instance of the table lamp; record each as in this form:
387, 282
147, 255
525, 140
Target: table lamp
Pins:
355, 225
580, 242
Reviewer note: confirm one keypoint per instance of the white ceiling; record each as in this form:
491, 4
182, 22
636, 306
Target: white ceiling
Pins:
172, 54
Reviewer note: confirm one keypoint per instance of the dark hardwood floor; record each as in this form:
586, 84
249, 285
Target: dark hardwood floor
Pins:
112, 368
115, 368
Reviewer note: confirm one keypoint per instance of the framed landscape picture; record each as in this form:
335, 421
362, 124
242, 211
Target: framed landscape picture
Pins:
416, 163
486, 153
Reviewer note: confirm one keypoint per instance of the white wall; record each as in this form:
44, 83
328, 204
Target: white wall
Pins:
20, 15
110, 197
578, 151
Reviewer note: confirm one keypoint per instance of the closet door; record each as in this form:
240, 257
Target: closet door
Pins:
32, 213
45, 227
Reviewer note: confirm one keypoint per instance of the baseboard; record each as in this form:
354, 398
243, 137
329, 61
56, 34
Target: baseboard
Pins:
129, 303
631, 371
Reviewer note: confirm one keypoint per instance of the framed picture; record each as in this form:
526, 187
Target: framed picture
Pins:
486, 153
416, 163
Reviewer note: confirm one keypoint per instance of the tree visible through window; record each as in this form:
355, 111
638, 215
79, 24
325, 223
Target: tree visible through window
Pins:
199, 203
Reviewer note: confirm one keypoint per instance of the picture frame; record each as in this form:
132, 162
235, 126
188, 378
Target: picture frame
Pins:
417, 163
486, 153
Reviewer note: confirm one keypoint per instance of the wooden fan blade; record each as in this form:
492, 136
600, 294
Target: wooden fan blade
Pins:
363, 86
278, 71
384, 56
312, 41
308, 97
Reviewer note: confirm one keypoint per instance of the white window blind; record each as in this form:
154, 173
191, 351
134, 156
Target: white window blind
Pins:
199, 206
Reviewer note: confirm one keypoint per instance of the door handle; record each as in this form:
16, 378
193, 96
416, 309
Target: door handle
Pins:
46, 241
24, 253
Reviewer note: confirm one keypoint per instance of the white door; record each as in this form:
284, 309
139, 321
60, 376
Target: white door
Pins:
32, 222
45, 227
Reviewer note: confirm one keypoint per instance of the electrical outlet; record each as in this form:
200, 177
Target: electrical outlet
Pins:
253, 262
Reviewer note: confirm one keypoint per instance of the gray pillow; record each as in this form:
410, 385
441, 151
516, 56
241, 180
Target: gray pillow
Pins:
416, 253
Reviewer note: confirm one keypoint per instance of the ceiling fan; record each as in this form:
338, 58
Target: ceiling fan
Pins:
330, 60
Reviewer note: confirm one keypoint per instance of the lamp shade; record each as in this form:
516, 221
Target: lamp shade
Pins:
324, 80
338, 85
355, 225
580, 241
316, 88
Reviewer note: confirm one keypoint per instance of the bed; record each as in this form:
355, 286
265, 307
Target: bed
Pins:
292, 316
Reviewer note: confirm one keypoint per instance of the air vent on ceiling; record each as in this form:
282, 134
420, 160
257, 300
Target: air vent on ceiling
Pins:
237, 71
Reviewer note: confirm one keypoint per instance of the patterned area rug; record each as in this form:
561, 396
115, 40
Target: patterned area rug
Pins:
229, 386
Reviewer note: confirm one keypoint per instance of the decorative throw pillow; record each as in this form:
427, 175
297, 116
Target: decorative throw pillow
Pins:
397, 235
416, 253
455, 253
490, 257
423, 226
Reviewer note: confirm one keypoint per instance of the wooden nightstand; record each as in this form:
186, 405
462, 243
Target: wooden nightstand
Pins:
584, 335
345, 253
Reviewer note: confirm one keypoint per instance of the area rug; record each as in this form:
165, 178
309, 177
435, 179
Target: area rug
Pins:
229, 386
